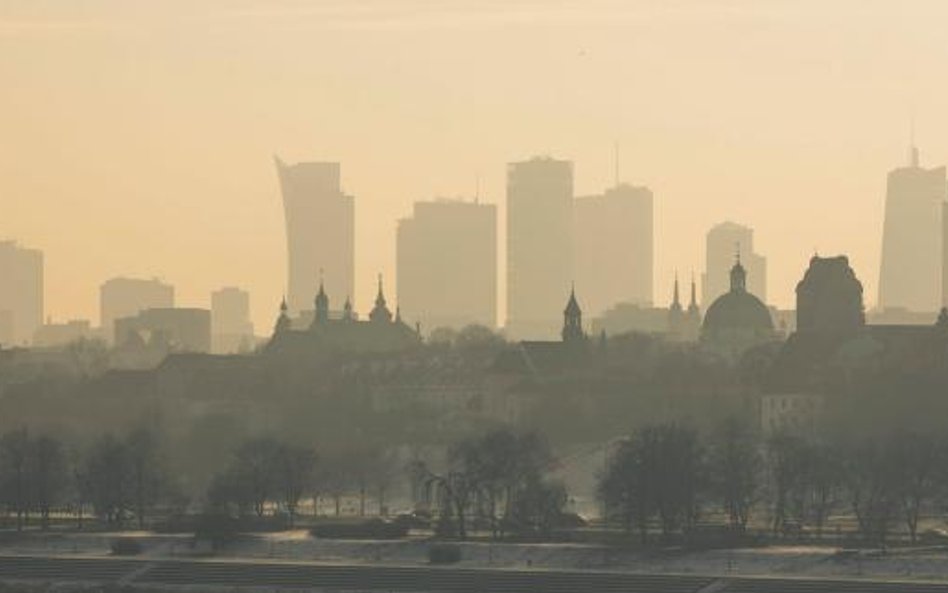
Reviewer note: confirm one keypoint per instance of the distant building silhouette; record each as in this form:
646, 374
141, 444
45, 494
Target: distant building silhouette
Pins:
21, 293
722, 241
738, 320
829, 297
614, 247
55, 335
540, 359
833, 341
127, 297
573, 332
910, 275
231, 328
676, 313
539, 244
320, 230
447, 264
179, 330
628, 317
328, 335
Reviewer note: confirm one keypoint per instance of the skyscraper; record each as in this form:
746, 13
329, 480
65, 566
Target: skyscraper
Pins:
447, 264
539, 245
21, 293
910, 276
614, 247
725, 241
231, 329
320, 232
127, 297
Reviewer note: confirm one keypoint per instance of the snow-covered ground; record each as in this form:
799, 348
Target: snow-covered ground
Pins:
921, 563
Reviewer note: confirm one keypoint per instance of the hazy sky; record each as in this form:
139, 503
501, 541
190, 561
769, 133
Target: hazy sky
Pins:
137, 137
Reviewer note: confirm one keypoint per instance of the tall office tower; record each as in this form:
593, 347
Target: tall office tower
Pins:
21, 293
539, 245
447, 264
231, 328
613, 243
910, 276
724, 242
320, 233
127, 297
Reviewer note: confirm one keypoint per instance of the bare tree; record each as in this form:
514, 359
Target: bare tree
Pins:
296, 467
14, 477
48, 475
735, 463
916, 460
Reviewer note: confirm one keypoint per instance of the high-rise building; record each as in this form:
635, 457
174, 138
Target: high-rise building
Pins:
320, 232
910, 275
231, 328
447, 264
539, 245
725, 241
614, 253
127, 297
21, 293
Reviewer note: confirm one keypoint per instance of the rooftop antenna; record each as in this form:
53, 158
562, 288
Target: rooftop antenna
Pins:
477, 188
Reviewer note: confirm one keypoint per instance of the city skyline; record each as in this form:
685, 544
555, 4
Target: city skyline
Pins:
740, 153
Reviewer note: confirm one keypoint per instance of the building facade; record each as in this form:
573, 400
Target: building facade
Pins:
724, 240
127, 297
911, 269
446, 256
21, 293
176, 330
539, 244
231, 328
320, 230
614, 247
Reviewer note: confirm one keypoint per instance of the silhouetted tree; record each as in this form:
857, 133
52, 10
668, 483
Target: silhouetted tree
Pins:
735, 465
48, 475
148, 478
296, 469
109, 472
14, 476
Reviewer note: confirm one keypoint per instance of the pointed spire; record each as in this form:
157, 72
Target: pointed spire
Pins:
347, 310
676, 300
380, 297
380, 312
283, 322
694, 296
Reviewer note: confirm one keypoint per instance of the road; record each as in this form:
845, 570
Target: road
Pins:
297, 576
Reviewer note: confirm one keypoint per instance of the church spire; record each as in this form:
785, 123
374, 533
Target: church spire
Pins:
693, 304
283, 320
738, 273
380, 312
573, 320
322, 303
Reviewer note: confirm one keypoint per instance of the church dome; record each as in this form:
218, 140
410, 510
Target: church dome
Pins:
737, 310
740, 311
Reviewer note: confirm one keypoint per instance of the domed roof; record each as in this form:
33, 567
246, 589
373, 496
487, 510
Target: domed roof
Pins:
737, 310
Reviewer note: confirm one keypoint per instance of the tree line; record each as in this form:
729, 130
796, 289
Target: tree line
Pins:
669, 479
